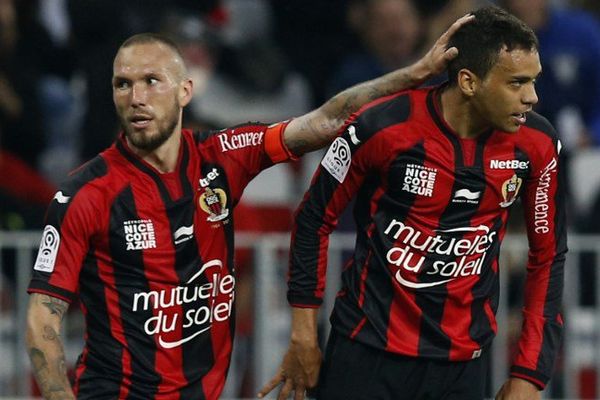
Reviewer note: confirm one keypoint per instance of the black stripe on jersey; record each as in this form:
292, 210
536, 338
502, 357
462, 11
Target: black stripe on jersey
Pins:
45, 287
524, 174
345, 309
480, 329
202, 136
104, 352
380, 116
144, 378
186, 185
395, 203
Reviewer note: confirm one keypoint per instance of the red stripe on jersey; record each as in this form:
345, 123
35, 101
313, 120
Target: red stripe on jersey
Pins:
405, 316
456, 321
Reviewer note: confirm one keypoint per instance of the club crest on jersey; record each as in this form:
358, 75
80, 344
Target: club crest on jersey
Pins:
213, 202
510, 190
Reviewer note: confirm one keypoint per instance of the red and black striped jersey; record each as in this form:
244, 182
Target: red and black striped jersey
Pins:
431, 211
150, 257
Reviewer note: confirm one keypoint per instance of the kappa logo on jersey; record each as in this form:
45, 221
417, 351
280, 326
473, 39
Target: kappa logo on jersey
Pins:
183, 234
213, 202
213, 302
139, 234
352, 132
239, 141
510, 190
46, 257
338, 158
419, 180
61, 198
466, 246
466, 196
509, 164
211, 176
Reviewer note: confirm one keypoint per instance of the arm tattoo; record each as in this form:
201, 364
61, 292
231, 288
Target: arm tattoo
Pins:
56, 306
50, 386
49, 333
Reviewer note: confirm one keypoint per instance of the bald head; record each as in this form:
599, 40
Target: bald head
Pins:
162, 41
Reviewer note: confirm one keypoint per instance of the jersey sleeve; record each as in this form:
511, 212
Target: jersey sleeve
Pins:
244, 151
339, 176
544, 209
71, 221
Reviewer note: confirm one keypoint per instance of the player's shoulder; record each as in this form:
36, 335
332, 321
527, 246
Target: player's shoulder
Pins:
383, 113
85, 175
540, 125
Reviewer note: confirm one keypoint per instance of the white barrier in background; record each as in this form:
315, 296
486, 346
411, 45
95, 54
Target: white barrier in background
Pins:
271, 316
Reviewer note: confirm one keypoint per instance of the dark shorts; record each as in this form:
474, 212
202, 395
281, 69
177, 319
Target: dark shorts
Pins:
354, 371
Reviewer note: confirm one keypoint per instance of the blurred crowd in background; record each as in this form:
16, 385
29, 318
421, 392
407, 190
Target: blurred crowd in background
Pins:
258, 60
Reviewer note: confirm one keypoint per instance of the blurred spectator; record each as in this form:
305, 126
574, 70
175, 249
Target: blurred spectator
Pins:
26, 54
390, 34
244, 75
569, 87
314, 36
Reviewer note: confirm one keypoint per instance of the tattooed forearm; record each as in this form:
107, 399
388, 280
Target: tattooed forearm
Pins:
45, 348
51, 386
56, 306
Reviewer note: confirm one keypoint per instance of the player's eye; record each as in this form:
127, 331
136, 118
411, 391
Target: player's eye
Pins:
121, 84
151, 81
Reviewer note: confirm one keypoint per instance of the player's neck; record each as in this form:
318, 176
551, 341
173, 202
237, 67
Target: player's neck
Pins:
460, 114
164, 158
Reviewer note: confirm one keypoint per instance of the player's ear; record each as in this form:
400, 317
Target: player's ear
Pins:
186, 89
467, 82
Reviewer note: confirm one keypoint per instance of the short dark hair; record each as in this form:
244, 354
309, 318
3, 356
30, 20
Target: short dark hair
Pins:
150, 37
479, 42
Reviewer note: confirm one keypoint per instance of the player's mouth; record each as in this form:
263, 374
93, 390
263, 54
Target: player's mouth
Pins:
520, 118
140, 121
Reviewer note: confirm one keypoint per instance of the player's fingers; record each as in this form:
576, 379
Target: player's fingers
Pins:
299, 392
273, 383
285, 389
450, 53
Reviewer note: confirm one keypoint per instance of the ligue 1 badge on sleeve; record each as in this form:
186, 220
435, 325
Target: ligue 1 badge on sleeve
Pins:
213, 202
510, 190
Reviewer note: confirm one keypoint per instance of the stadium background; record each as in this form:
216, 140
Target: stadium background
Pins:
269, 60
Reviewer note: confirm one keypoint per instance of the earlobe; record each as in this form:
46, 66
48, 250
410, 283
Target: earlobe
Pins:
185, 92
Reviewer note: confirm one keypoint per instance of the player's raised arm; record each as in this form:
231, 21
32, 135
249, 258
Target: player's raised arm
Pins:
317, 128
45, 347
